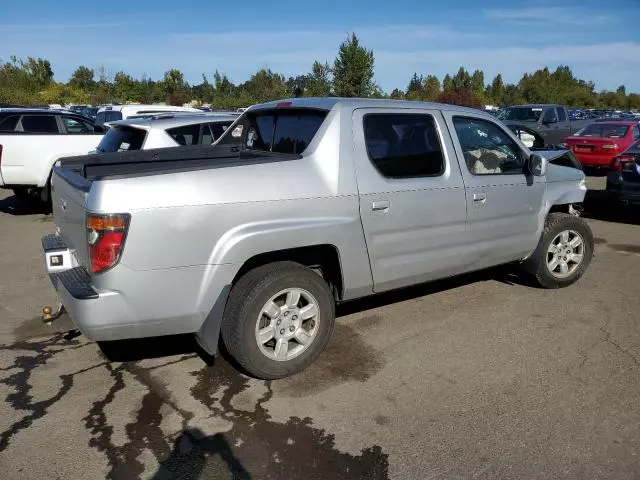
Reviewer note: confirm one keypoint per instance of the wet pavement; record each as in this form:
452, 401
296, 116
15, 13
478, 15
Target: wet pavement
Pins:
481, 376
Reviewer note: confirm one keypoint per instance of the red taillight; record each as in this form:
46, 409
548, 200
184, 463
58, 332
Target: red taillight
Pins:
283, 104
618, 162
106, 235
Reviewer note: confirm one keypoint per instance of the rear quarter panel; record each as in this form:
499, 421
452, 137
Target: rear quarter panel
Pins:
213, 217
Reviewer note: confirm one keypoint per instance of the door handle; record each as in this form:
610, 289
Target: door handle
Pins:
480, 197
380, 206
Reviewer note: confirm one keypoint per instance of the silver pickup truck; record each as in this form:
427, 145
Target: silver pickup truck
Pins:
326, 201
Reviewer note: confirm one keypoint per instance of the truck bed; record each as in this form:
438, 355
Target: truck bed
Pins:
163, 160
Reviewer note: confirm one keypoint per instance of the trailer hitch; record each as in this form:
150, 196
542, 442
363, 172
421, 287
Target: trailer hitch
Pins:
49, 316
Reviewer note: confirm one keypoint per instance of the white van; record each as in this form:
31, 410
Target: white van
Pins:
111, 113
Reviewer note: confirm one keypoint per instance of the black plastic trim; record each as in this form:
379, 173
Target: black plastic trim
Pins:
77, 282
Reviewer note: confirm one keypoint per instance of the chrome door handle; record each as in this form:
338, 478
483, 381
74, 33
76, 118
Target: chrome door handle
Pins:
480, 197
380, 206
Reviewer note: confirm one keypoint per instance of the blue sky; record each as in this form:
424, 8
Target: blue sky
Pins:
599, 39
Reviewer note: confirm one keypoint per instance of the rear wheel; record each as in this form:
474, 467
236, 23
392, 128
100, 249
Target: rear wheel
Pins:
278, 319
563, 253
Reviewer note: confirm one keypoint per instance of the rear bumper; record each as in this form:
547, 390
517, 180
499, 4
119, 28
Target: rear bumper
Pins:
618, 189
123, 303
595, 160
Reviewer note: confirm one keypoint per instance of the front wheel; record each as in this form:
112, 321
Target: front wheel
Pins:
278, 319
563, 253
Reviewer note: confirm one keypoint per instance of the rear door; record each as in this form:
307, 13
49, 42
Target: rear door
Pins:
412, 199
503, 202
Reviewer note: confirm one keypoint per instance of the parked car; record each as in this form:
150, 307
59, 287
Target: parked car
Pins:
623, 183
540, 125
328, 200
165, 130
89, 111
31, 140
111, 113
599, 143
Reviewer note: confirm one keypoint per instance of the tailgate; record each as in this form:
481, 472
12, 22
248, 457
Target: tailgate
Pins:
69, 191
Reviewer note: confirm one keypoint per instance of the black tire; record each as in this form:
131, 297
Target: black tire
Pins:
537, 263
246, 299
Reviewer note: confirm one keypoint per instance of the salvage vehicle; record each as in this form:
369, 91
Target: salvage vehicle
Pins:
326, 201
165, 130
31, 140
540, 125
623, 183
598, 144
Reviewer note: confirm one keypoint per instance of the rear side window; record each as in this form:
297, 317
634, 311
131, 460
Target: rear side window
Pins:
8, 124
282, 131
218, 129
122, 140
403, 145
39, 124
187, 135
562, 117
76, 126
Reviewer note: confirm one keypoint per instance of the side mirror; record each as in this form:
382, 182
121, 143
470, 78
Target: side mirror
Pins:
537, 165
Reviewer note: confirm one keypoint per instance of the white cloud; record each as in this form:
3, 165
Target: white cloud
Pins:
547, 14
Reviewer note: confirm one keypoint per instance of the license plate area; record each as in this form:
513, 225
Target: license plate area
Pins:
59, 260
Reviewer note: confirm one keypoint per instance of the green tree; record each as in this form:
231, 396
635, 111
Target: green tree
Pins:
397, 94
319, 81
175, 88
477, 83
447, 82
125, 88
496, 91
462, 79
82, 78
265, 85
414, 89
431, 88
353, 69
39, 69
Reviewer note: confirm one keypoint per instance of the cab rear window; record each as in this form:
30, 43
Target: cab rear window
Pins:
282, 131
122, 139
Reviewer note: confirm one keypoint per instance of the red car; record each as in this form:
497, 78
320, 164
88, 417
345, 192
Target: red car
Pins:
598, 144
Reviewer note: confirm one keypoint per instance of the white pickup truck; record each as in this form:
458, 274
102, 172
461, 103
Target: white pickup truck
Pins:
31, 140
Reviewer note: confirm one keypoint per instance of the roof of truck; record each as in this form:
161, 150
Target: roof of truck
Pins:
327, 103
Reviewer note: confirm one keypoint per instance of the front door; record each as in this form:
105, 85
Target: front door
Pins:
503, 201
412, 199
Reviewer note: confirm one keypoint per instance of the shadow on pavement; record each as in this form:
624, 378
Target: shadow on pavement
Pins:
598, 206
19, 206
508, 274
188, 458
137, 349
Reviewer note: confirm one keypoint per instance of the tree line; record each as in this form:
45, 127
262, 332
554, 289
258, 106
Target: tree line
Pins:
351, 74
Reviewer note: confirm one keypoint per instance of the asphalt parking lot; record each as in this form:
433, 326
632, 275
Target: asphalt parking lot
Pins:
477, 377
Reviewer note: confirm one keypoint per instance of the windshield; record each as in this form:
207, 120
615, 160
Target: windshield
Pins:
522, 114
603, 130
